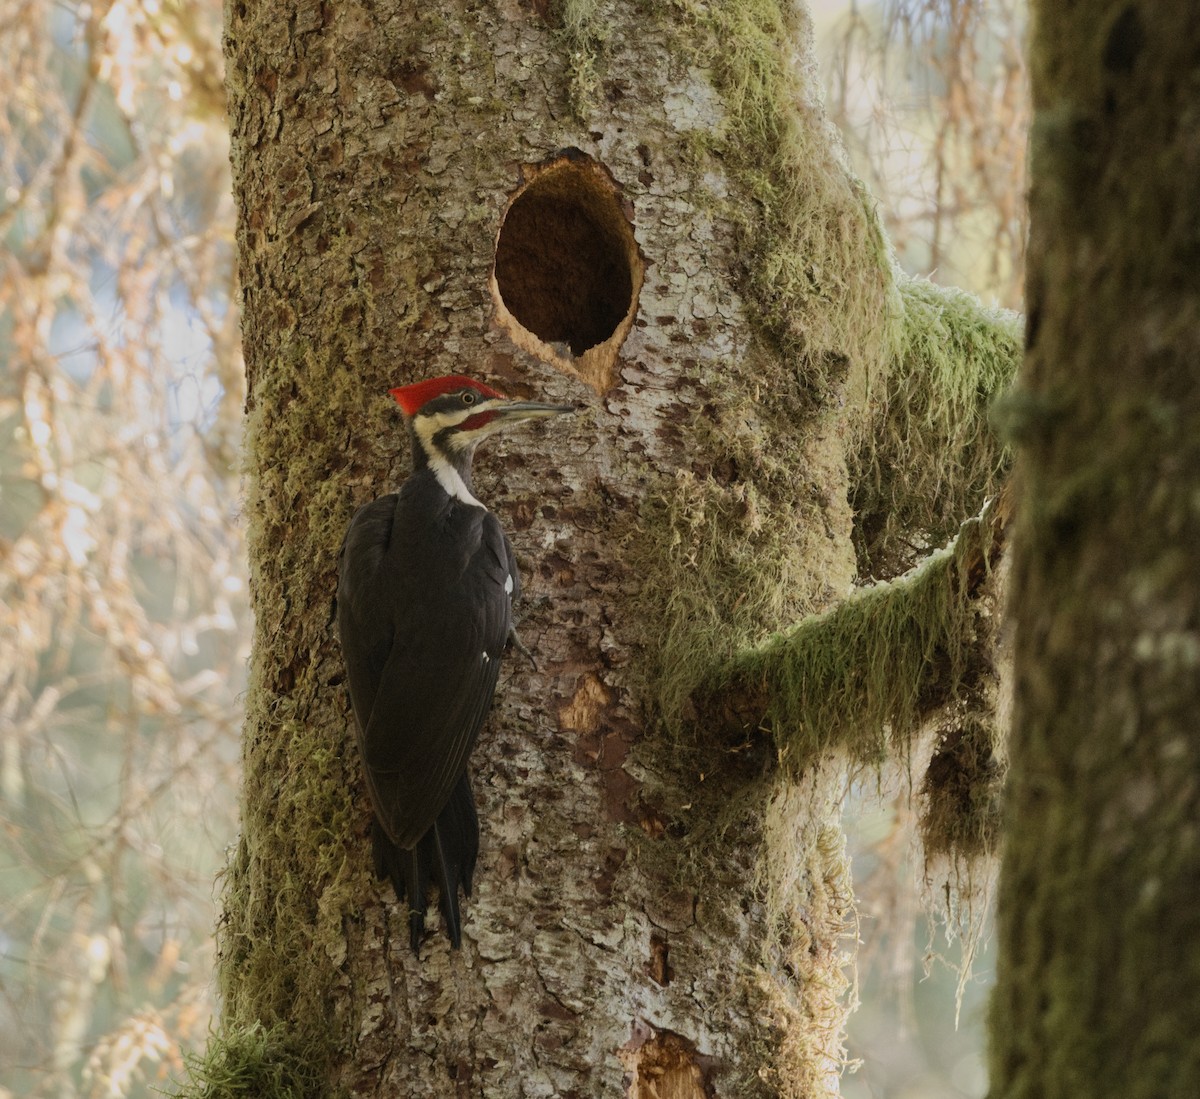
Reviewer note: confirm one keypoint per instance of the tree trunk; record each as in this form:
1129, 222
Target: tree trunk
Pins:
1098, 924
638, 206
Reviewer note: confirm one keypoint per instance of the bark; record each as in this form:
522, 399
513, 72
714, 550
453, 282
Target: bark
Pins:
1098, 922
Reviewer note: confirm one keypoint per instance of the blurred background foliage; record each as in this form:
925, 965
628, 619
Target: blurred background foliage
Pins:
932, 99
123, 620
123, 607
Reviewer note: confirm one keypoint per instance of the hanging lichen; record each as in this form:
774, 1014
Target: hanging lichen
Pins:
583, 32
862, 678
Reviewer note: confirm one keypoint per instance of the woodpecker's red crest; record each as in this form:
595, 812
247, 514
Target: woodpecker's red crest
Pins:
413, 397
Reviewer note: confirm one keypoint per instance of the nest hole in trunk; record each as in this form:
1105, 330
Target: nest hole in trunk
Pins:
568, 270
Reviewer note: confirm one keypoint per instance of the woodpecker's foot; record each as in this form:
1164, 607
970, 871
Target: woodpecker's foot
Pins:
517, 644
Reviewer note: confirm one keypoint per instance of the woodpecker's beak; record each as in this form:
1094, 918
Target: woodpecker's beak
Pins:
511, 412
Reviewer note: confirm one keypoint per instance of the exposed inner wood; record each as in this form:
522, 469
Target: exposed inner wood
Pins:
666, 1066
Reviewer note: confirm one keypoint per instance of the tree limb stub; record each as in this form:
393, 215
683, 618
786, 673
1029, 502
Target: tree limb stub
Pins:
877, 666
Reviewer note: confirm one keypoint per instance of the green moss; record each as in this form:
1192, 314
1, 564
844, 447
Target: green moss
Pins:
744, 535
819, 269
733, 547
931, 455
853, 679
287, 888
289, 882
860, 412
961, 793
848, 349
254, 1062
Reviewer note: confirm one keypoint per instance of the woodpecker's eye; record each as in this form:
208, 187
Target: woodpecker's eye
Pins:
468, 397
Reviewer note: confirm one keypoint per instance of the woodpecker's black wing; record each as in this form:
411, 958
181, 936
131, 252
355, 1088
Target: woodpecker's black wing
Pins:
366, 640
441, 595
423, 612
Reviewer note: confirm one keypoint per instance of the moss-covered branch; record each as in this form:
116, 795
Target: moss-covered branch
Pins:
873, 668
930, 456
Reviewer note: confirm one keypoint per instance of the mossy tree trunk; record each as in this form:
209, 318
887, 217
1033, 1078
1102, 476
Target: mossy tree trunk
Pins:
651, 910
1099, 924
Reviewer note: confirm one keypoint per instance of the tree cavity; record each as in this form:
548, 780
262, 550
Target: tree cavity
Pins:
568, 271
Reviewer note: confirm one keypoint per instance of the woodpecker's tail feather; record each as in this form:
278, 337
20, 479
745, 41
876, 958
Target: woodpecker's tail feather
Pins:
416, 885
446, 855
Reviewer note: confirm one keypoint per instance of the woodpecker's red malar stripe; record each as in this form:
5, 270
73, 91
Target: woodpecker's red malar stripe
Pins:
412, 397
476, 421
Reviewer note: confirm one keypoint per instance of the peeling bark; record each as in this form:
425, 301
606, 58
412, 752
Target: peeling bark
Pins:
664, 1066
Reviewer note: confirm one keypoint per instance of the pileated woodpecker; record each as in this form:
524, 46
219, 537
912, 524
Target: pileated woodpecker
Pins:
426, 583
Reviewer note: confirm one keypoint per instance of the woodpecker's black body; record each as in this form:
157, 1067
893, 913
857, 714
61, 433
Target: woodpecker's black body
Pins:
425, 591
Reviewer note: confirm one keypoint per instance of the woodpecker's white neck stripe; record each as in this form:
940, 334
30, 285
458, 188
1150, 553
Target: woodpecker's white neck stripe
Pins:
451, 480
448, 477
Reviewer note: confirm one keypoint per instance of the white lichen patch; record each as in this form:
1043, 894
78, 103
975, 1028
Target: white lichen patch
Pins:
695, 105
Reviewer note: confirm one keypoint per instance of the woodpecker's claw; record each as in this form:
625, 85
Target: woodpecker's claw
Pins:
517, 644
